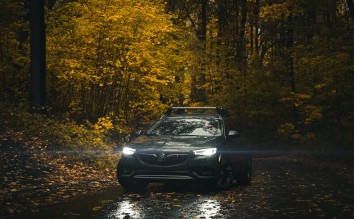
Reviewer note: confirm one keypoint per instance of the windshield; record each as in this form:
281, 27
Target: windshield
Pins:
186, 126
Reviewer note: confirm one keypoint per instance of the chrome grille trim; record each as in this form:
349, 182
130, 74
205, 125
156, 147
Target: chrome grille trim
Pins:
162, 158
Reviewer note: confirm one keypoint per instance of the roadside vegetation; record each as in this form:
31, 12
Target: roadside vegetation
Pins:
45, 160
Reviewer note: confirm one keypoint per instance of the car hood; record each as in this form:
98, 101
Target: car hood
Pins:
173, 143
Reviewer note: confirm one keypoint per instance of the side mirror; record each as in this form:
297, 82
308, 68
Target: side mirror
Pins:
233, 134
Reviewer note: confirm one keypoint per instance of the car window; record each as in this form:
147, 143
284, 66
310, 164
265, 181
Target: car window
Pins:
186, 126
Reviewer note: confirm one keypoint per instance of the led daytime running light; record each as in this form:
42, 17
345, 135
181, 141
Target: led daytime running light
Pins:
128, 151
205, 152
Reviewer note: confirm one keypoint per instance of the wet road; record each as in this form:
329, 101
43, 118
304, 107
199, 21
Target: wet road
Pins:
282, 187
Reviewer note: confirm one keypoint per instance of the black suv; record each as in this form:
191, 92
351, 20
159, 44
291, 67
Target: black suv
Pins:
187, 144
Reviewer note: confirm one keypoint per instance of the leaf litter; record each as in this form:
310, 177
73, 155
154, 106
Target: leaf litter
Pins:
33, 176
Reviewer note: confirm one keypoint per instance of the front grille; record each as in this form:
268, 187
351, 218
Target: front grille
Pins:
162, 159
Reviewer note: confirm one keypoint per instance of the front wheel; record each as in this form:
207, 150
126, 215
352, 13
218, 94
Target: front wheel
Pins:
225, 176
245, 178
128, 185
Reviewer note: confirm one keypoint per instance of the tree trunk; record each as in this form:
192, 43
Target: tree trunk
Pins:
171, 5
350, 4
241, 56
38, 59
256, 20
204, 22
289, 44
200, 94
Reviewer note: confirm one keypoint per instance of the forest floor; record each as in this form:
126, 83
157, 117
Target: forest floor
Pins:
283, 186
32, 175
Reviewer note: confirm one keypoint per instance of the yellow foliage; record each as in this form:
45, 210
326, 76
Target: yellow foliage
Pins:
103, 125
280, 11
120, 52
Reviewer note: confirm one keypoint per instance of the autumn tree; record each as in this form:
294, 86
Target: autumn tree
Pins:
14, 52
258, 64
283, 68
120, 58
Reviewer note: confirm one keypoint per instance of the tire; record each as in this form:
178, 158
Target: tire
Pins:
225, 176
245, 178
131, 186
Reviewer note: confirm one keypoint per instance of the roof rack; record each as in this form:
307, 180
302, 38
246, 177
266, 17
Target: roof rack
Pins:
181, 110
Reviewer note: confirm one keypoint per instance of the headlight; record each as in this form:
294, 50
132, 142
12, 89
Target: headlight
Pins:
128, 151
205, 152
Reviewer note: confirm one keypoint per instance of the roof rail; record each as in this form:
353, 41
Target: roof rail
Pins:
180, 110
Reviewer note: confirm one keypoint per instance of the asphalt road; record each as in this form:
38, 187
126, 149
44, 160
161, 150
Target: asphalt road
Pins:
282, 187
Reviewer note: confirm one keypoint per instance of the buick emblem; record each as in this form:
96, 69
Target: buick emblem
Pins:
161, 157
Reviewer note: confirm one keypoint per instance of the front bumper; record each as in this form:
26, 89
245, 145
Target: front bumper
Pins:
194, 168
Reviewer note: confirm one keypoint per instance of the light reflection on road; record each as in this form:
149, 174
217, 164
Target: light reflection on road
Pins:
125, 209
207, 208
159, 201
